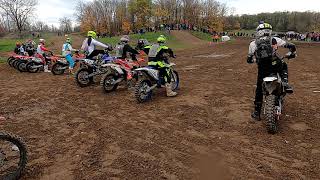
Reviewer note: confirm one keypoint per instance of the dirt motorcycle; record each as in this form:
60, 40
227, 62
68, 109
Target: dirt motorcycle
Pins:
91, 68
274, 94
19, 61
120, 70
37, 63
149, 79
13, 156
62, 64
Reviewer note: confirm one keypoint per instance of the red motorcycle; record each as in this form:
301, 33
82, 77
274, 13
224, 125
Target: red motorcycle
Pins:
19, 61
39, 62
120, 71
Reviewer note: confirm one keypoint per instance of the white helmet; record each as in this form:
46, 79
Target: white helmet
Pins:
42, 41
264, 29
125, 38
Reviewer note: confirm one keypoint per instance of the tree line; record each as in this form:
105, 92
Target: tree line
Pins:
129, 15
282, 21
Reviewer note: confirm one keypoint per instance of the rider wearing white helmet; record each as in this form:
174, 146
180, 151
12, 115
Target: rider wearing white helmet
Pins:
264, 48
123, 48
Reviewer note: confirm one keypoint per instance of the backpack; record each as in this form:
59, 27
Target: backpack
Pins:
119, 50
264, 48
153, 52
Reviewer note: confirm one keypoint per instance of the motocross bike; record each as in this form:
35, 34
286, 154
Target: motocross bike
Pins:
13, 156
149, 79
61, 65
91, 68
37, 63
121, 70
274, 94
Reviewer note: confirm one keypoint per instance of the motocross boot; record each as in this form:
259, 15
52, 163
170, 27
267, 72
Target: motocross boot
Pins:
169, 91
286, 85
46, 68
257, 111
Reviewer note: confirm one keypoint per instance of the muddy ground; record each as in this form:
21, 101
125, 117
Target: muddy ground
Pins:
204, 133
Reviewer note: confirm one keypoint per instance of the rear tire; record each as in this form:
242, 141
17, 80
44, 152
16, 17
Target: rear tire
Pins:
175, 81
30, 69
55, 69
21, 66
19, 143
106, 81
271, 117
15, 63
9, 61
80, 77
140, 88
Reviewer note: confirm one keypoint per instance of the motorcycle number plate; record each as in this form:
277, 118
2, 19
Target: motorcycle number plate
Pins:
119, 70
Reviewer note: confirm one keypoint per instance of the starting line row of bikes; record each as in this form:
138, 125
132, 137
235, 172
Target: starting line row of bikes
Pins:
113, 72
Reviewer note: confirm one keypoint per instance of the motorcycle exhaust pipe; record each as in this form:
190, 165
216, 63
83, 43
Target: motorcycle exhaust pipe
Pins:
151, 88
35, 67
117, 81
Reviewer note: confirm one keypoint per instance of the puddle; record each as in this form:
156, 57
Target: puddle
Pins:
214, 55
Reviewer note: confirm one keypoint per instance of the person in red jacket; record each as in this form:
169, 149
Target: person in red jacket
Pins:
41, 49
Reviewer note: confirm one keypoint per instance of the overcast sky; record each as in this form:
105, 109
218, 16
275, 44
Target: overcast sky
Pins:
50, 11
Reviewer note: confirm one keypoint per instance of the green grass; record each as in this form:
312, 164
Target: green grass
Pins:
7, 45
2, 60
202, 35
150, 36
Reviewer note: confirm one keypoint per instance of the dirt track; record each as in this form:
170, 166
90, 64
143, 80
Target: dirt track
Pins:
82, 133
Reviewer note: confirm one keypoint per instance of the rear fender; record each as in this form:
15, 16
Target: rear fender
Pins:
271, 86
117, 68
152, 73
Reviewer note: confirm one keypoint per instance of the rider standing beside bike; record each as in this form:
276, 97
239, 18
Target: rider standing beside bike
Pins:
264, 48
156, 57
67, 53
89, 45
41, 49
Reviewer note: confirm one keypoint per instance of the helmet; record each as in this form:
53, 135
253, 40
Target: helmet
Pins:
92, 34
161, 39
68, 40
125, 38
264, 29
42, 41
18, 43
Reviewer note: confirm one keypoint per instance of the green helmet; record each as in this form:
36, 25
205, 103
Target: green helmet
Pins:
68, 40
161, 39
92, 34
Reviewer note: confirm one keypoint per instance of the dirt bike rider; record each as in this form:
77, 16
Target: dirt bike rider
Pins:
67, 53
90, 43
123, 48
30, 44
264, 48
19, 49
41, 49
157, 59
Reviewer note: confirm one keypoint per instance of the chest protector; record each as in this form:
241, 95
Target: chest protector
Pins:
119, 50
153, 50
264, 48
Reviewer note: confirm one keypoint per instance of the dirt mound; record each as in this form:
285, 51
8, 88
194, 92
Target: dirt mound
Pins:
187, 38
204, 132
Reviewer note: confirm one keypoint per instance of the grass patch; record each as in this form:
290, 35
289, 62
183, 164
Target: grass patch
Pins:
202, 35
3, 60
7, 45
150, 36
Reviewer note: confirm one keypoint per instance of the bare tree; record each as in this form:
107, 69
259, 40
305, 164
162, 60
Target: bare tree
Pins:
18, 11
65, 24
